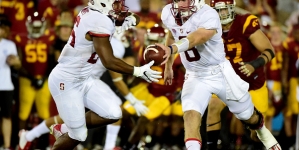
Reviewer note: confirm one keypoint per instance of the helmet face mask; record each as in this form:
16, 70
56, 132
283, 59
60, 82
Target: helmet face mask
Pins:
36, 25
185, 10
225, 9
114, 8
155, 34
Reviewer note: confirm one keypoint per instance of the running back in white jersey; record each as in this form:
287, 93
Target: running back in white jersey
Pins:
208, 54
118, 51
78, 56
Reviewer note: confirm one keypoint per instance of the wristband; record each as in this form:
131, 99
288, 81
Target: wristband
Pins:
260, 61
137, 71
117, 79
182, 45
130, 97
171, 50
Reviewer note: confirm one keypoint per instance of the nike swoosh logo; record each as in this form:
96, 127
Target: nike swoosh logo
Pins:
144, 73
230, 40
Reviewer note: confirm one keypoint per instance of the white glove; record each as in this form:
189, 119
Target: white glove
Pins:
129, 22
137, 104
145, 72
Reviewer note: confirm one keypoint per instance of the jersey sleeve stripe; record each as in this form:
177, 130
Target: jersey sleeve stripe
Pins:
99, 34
247, 22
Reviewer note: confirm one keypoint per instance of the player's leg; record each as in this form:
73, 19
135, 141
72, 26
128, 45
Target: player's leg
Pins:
112, 131
177, 124
292, 108
156, 108
245, 111
6, 111
42, 102
105, 109
68, 97
195, 104
26, 137
214, 122
27, 95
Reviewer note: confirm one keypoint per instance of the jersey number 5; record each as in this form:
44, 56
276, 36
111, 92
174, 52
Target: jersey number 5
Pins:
191, 54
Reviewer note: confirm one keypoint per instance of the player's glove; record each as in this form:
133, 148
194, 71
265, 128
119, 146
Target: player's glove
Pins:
145, 72
137, 104
129, 22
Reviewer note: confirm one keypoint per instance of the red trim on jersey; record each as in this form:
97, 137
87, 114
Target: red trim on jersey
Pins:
193, 139
99, 34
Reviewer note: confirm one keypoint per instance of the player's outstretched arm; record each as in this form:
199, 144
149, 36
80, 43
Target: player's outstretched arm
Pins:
103, 48
124, 90
198, 37
262, 44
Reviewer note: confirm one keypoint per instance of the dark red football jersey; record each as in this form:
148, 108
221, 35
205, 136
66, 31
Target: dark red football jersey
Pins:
48, 11
35, 54
273, 68
159, 88
238, 48
292, 48
17, 12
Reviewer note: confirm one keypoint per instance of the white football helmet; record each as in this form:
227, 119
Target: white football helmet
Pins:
229, 10
112, 8
183, 13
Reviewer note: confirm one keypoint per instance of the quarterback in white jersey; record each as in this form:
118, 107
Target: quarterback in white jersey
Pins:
71, 82
196, 35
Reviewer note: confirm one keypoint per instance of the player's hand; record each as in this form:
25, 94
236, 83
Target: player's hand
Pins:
138, 105
167, 52
246, 68
128, 23
168, 75
145, 72
12, 60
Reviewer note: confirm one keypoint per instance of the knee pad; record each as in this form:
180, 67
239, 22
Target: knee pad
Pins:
114, 113
79, 134
245, 115
259, 123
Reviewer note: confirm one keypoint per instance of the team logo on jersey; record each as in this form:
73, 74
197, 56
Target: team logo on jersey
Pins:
182, 30
61, 86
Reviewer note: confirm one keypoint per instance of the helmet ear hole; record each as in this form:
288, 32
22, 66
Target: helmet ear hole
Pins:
103, 5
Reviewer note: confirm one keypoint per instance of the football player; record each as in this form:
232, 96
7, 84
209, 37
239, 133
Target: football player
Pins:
157, 96
26, 137
34, 53
290, 82
248, 50
17, 11
196, 30
71, 82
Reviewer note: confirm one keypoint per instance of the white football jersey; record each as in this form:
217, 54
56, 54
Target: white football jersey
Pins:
118, 52
78, 56
208, 54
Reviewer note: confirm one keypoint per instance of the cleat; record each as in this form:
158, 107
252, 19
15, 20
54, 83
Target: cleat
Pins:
23, 143
55, 130
268, 139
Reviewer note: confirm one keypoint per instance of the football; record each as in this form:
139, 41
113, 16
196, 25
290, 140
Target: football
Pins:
154, 52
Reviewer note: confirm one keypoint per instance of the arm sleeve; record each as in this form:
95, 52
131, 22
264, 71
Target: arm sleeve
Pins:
250, 25
101, 27
13, 49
